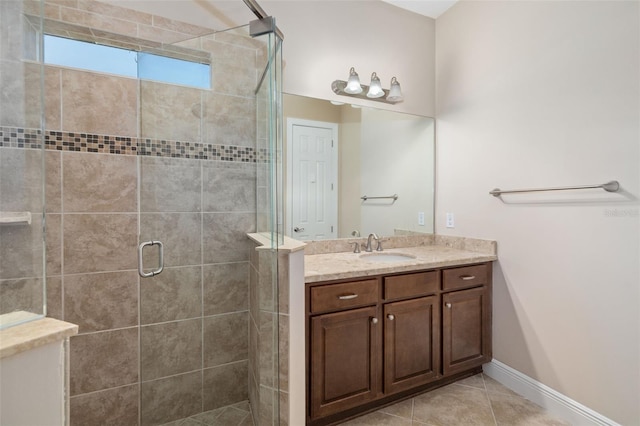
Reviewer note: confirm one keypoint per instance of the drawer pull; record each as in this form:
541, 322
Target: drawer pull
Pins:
374, 320
348, 296
448, 305
467, 277
391, 317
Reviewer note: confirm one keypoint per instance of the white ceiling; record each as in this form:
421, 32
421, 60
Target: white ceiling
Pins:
430, 8
223, 14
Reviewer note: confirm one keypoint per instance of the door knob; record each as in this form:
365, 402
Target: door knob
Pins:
296, 229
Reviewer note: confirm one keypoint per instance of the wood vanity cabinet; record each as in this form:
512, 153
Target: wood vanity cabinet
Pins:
344, 346
375, 339
411, 330
411, 341
466, 317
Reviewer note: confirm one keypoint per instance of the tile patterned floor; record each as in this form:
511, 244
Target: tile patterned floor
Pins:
233, 415
477, 400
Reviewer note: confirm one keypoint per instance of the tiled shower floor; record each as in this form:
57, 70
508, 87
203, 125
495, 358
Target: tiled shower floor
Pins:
232, 415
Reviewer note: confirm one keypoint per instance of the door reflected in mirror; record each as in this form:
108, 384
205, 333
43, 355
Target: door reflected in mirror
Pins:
351, 171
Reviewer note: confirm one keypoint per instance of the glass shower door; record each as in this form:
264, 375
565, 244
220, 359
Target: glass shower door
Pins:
22, 156
201, 152
269, 339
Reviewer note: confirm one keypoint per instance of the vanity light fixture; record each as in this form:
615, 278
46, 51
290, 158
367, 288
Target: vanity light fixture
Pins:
373, 92
353, 86
375, 88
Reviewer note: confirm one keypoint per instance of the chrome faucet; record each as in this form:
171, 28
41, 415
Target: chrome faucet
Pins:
368, 246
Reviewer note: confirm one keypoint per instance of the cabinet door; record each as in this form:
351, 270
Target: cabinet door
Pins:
466, 328
411, 343
343, 360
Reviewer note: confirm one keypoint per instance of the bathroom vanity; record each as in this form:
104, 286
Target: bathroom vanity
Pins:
383, 326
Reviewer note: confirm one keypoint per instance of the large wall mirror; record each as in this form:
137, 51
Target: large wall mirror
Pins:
354, 170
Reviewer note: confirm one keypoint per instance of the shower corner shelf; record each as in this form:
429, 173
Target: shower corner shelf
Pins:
15, 218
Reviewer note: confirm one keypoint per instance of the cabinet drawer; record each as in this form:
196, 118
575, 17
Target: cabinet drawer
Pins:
410, 285
342, 296
468, 276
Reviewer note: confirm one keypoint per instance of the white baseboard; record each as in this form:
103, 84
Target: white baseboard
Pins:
554, 402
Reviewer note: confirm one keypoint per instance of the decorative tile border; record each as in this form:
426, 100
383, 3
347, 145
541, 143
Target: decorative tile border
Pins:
13, 137
20, 138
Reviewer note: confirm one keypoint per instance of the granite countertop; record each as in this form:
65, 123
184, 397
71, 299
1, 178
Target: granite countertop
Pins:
31, 335
344, 265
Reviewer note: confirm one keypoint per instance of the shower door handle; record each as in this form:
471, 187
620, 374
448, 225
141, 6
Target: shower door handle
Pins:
160, 258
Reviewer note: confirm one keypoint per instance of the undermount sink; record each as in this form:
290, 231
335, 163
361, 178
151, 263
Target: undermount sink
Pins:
386, 257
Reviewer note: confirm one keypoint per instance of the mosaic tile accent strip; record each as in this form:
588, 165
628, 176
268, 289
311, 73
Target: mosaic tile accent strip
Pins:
20, 138
13, 137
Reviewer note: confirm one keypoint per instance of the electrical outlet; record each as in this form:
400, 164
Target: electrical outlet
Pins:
450, 221
421, 218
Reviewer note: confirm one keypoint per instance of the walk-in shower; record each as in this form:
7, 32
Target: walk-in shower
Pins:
126, 159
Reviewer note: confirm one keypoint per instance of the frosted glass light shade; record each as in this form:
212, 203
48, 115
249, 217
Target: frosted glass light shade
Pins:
353, 84
395, 94
375, 89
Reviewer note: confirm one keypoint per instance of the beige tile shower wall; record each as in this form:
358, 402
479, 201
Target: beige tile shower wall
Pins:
106, 18
21, 172
172, 345
158, 349
269, 337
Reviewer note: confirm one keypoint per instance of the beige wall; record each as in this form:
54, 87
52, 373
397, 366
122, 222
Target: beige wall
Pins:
535, 94
323, 40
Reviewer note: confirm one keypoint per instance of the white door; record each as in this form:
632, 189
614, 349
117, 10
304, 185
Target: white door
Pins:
313, 180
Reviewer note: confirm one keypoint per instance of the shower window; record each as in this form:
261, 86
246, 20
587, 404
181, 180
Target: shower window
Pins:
148, 66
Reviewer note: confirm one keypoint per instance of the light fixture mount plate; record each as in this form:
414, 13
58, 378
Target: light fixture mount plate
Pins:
338, 87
